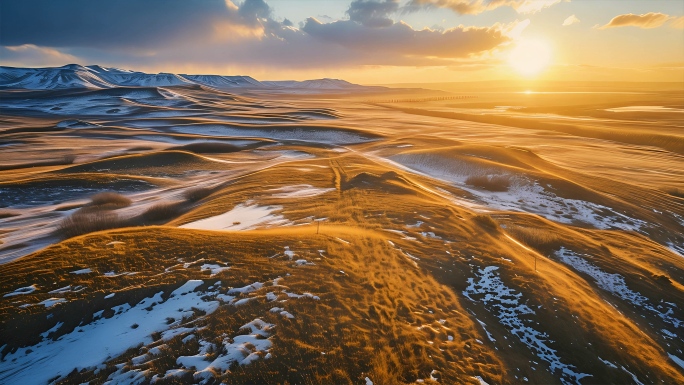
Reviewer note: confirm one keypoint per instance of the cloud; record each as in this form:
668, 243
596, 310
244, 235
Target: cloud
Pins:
32, 55
121, 24
572, 19
371, 13
474, 7
678, 23
645, 21
402, 40
223, 37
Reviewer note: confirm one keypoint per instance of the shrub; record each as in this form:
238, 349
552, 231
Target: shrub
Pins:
197, 193
486, 221
110, 198
490, 183
542, 240
81, 223
162, 211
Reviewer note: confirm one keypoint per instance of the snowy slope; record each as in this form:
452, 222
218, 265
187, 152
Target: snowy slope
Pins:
98, 77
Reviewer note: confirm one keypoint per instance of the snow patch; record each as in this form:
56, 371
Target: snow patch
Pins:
22, 291
615, 284
507, 305
242, 217
300, 191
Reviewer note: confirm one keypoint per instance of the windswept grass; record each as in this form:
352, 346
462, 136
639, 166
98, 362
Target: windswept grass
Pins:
110, 199
196, 194
162, 211
81, 223
542, 240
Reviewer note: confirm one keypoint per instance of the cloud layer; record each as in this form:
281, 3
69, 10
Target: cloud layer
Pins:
218, 32
645, 21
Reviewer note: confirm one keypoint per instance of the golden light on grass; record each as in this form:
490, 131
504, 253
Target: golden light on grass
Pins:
530, 57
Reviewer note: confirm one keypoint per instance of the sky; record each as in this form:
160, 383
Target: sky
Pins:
363, 41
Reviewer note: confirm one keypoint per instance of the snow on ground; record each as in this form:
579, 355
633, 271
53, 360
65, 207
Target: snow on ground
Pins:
615, 284
242, 349
246, 216
300, 191
522, 195
329, 136
282, 312
677, 360
91, 345
507, 305
82, 271
67, 289
214, 268
50, 302
22, 291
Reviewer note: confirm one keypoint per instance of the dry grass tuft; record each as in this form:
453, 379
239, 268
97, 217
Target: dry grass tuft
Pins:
110, 199
486, 222
197, 194
87, 222
545, 241
162, 211
490, 182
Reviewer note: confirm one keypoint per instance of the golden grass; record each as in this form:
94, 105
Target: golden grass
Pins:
399, 250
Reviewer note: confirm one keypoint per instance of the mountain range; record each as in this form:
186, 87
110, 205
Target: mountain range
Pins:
98, 77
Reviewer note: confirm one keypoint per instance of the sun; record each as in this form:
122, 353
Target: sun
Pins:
530, 57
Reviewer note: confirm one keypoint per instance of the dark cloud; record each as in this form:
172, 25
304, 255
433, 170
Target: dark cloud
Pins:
402, 40
372, 13
646, 20
213, 33
251, 10
116, 24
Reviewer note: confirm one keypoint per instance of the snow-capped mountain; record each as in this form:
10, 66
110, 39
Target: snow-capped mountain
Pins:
218, 81
98, 77
326, 83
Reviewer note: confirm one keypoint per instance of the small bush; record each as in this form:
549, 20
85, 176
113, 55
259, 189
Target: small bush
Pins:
486, 221
542, 240
162, 211
490, 183
110, 198
87, 222
197, 194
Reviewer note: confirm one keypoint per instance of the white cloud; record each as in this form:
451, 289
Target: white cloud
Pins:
572, 19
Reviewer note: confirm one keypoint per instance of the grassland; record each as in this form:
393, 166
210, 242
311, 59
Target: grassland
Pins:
402, 242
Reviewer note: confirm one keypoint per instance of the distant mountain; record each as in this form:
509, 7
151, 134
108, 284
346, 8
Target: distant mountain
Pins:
326, 83
98, 77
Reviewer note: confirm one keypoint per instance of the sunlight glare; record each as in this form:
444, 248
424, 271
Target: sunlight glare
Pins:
530, 57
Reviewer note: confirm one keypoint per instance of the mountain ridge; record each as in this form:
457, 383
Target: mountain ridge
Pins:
99, 77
